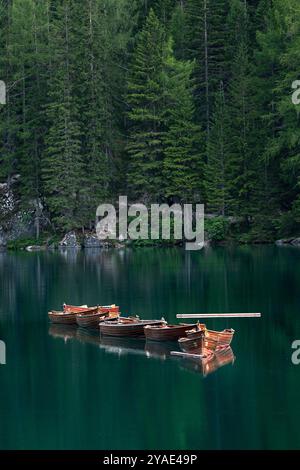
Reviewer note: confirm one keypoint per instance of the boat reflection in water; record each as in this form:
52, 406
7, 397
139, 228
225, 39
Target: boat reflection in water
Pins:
122, 346
65, 332
88, 335
138, 346
209, 364
159, 350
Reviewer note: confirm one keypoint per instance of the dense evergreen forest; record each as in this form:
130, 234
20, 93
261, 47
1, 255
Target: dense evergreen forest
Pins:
162, 100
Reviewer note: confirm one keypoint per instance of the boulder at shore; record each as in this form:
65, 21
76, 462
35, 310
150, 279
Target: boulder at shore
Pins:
3, 242
69, 241
288, 241
92, 241
35, 248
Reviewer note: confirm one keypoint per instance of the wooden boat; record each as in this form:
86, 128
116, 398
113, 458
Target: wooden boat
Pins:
196, 332
197, 345
222, 337
74, 308
62, 317
69, 317
166, 332
126, 326
81, 308
109, 308
92, 320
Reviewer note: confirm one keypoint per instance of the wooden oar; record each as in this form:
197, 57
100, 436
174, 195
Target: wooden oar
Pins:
218, 315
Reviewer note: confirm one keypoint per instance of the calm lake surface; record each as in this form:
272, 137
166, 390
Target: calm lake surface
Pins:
64, 388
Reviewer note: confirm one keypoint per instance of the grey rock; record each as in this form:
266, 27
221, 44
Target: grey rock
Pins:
35, 248
92, 241
3, 242
119, 246
52, 246
288, 241
69, 241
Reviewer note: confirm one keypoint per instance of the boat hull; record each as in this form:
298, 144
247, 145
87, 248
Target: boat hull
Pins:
166, 332
126, 328
196, 332
62, 318
199, 345
222, 337
109, 309
93, 320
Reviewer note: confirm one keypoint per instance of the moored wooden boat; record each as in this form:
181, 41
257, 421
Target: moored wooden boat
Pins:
92, 320
74, 308
109, 308
166, 332
69, 317
62, 317
197, 331
222, 337
197, 345
81, 308
126, 327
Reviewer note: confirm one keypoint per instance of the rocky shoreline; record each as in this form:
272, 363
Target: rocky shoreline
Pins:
71, 240
18, 230
292, 241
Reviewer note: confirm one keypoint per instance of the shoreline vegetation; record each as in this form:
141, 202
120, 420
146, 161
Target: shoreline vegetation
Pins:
215, 235
165, 101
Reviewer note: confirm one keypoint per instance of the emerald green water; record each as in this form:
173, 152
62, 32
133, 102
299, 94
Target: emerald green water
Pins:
63, 388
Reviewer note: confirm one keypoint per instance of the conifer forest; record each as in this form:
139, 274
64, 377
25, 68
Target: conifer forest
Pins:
185, 101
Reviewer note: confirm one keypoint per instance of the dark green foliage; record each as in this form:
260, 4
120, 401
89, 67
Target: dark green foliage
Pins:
206, 40
183, 162
163, 100
216, 172
146, 98
217, 228
62, 167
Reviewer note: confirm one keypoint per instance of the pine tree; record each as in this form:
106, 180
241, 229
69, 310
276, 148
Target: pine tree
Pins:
90, 89
162, 8
241, 164
288, 112
267, 72
62, 163
145, 99
7, 111
183, 163
29, 55
178, 31
206, 37
216, 177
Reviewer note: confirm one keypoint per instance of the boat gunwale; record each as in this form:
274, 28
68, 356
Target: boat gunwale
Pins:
131, 323
169, 327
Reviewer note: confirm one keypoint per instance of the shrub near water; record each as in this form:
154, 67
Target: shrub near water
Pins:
217, 228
